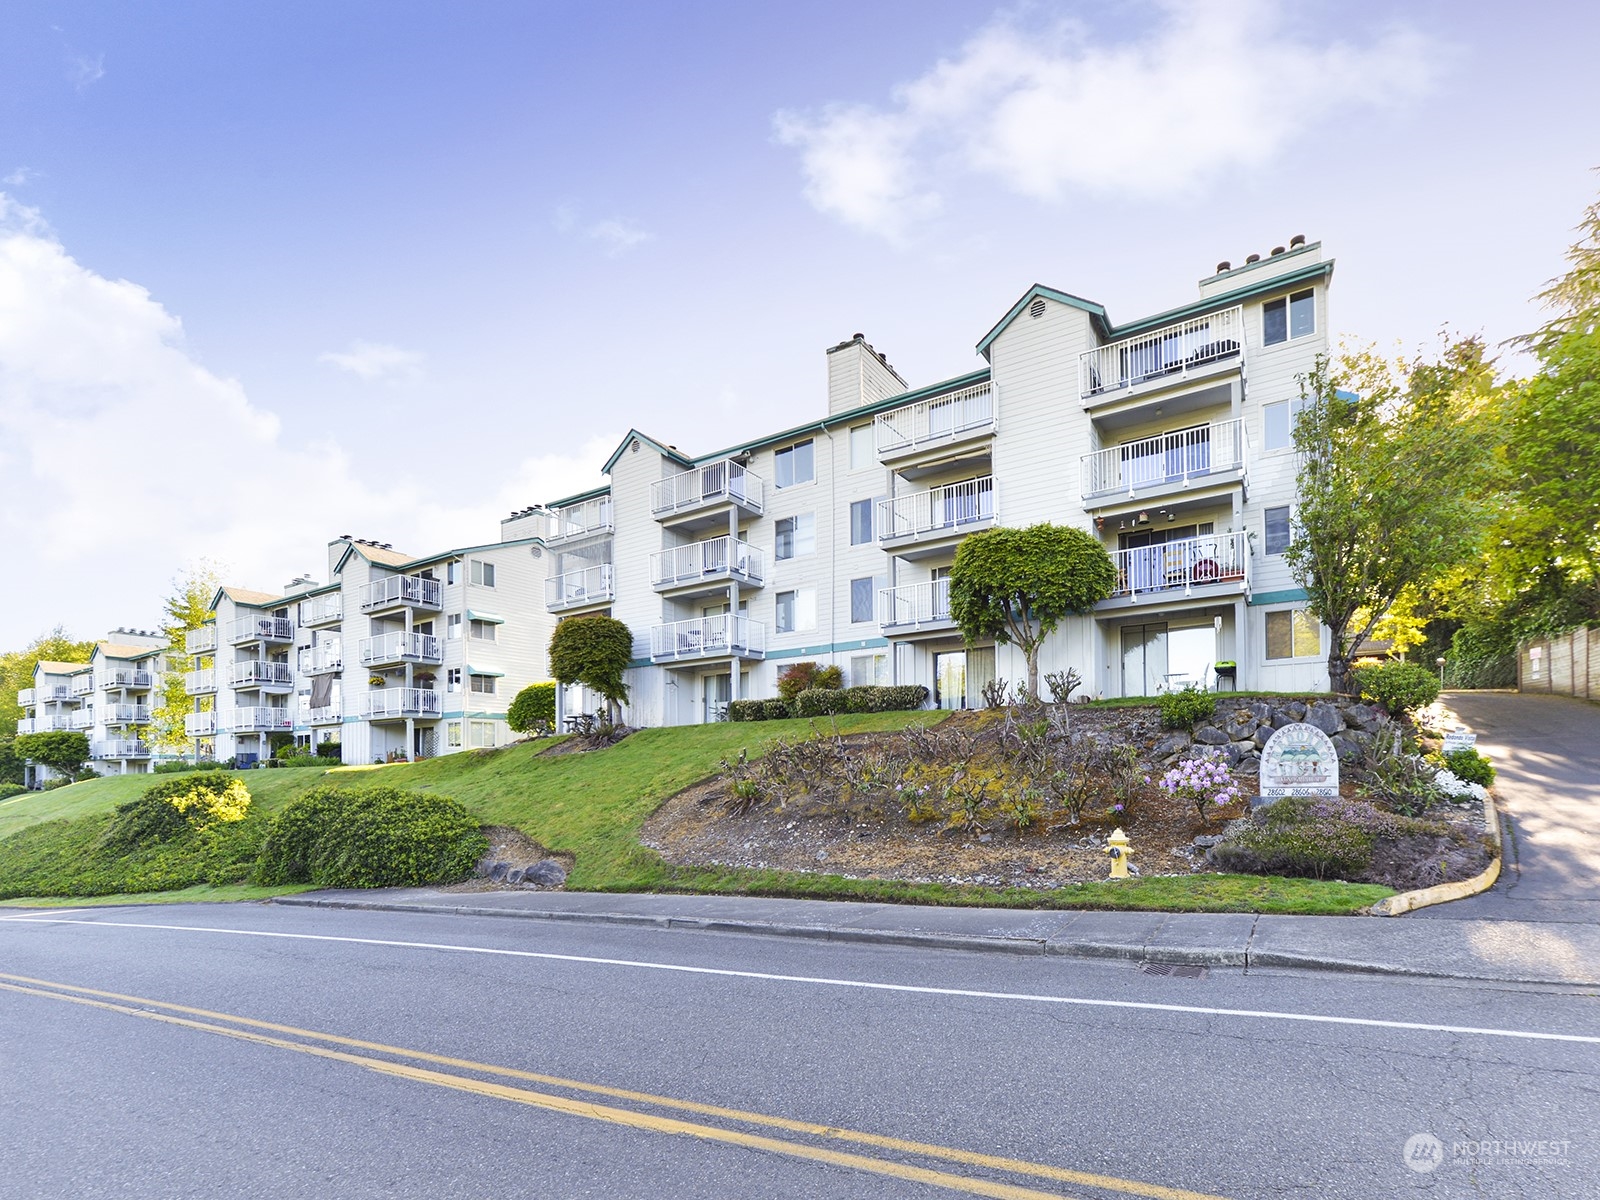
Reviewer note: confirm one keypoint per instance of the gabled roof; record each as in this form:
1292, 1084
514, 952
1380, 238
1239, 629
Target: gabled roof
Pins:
461, 550
374, 554
47, 666
112, 650
246, 598
670, 452
1097, 312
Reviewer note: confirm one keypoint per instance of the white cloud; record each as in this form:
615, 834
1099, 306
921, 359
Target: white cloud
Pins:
20, 177
121, 458
376, 361
82, 70
1046, 110
618, 237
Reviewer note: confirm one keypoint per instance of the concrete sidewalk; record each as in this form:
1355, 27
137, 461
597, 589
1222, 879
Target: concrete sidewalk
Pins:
1542, 952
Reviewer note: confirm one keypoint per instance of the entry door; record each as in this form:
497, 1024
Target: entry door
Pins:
1144, 659
950, 679
718, 691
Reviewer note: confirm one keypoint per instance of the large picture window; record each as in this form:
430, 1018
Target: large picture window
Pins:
1293, 633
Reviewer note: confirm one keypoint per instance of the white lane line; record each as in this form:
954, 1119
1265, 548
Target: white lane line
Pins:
861, 984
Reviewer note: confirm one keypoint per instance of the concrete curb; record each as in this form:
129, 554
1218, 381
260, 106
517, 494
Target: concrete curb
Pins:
1442, 893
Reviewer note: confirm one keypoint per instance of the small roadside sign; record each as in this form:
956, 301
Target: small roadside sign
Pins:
1459, 739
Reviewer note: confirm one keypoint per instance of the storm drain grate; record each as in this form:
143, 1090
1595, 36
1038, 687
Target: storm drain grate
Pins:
1175, 970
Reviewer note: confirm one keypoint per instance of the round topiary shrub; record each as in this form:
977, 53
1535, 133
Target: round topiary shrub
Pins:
370, 837
1186, 707
534, 709
1398, 686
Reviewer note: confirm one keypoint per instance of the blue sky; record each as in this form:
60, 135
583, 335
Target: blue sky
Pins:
276, 272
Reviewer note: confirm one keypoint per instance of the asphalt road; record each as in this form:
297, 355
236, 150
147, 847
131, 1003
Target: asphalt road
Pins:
242, 1051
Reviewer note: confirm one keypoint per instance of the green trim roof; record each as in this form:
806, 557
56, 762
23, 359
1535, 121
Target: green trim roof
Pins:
473, 615
658, 447
1096, 312
460, 550
591, 494
480, 671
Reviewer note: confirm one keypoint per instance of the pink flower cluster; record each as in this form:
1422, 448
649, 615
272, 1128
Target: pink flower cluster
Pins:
1204, 781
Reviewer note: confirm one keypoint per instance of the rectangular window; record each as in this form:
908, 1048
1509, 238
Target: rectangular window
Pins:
861, 522
482, 734
452, 626
1291, 317
482, 573
452, 679
869, 670
1278, 530
797, 610
483, 685
1293, 633
796, 535
863, 447
1277, 422
862, 592
482, 631
452, 734
796, 464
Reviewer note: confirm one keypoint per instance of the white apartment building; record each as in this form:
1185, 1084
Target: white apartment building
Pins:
108, 699
399, 656
1168, 437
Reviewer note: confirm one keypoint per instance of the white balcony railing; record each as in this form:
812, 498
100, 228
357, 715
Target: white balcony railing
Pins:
708, 637
1172, 350
319, 610
403, 702
260, 673
1205, 561
953, 508
198, 683
714, 483
125, 714
200, 724
395, 590
200, 641
714, 559
262, 628
25, 697
952, 418
592, 585
257, 719
125, 677
915, 605
121, 748
326, 714
580, 520
322, 658
58, 693
399, 647
51, 724
1207, 453
81, 685
82, 719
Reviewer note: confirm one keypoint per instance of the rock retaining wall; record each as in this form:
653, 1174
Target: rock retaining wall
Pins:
1241, 728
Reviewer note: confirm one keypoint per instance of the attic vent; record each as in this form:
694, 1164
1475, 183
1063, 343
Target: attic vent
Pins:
535, 551
1036, 309
633, 446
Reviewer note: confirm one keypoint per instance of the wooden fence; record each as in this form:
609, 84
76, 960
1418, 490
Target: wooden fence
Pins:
1565, 665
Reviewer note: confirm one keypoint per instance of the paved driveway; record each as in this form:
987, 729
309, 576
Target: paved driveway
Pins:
1547, 752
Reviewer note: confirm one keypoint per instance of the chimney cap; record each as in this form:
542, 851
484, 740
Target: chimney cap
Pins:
1224, 265
1277, 250
1253, 258
1298, 239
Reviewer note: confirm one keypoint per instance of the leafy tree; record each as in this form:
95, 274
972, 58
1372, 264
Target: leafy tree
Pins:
62, 751
1017, 585
16, 673
594, 652
533, 708
188, 607
1394, 481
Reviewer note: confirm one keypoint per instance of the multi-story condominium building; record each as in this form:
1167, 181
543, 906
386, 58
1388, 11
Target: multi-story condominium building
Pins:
1168, 437
400, 656
108, 699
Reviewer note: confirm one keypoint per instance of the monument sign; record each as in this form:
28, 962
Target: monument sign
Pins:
1299, 760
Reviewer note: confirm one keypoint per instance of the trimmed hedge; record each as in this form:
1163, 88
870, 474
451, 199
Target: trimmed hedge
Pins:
7, 790
1398, 686
757, 710
370, 837
824, 702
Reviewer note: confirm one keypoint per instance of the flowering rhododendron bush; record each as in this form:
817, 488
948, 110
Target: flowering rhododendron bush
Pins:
1204, 781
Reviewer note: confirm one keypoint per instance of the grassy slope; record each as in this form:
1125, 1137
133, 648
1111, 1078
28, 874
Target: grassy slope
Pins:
594, 805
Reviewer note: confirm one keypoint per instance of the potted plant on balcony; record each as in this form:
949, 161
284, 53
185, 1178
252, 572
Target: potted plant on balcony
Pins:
376, 681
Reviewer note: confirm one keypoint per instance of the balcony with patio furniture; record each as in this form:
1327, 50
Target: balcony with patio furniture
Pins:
201, 641
1203, 348
707, 638
392, 704
402, 591
262, 674
57, 693
320, 610
916, 609
705, 567
592, 518
396, 649
125, 714
936, 428
588, 588
1211, 566
702, 496
926, 523
127, 679
262, 628
1211, 456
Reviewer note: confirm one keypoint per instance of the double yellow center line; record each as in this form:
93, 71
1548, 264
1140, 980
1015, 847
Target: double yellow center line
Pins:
399, 1063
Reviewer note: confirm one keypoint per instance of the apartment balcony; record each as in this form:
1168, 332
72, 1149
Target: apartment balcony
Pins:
393, 704
320, 610
256, 719
580, 522
25, 698
322, 659
258, 673
200, 641
200, 683
260, 629
700, 498
1168, 464
198, 725
580, 589
1203, 348
126, 678
703, 638
705, 567
58, 693
53, 724
937, 429
81, 685
402, 591
327, 714
81, 720
916, 609
125, 714
120, 748
1214, 565
926, 523
396, 649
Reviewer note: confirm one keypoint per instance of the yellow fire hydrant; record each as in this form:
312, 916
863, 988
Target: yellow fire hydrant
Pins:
1120, 851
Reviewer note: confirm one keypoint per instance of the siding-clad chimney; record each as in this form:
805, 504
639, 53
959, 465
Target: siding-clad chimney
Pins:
858, 374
